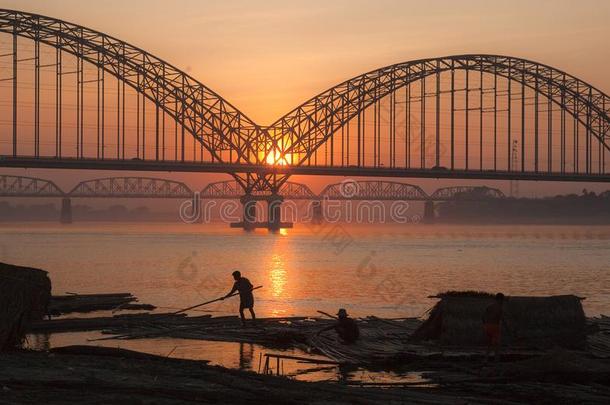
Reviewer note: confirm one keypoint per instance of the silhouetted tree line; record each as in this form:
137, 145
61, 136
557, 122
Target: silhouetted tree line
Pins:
572, 208
50, 212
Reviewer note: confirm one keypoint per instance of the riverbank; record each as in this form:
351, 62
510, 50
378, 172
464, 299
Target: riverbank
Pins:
81, 374
446, 375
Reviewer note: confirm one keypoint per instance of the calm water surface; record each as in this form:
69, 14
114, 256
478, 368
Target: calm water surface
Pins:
371, 270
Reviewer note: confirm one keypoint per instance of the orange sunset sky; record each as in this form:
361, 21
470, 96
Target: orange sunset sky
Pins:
266, 57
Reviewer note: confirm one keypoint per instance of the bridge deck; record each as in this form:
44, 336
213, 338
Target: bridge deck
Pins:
170, 166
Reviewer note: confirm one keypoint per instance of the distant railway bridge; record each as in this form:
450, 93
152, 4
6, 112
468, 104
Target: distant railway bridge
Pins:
149, 187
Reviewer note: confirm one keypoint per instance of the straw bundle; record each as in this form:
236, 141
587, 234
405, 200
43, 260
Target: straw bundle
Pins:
24, 296
534, 322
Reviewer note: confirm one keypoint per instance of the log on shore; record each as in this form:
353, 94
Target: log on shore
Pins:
99, 323
82, 303
24, 297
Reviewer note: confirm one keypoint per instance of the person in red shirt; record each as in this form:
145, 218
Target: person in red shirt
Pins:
246, 298
492, 325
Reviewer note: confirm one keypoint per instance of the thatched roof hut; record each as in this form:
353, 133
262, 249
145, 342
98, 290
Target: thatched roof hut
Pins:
530, 322
24, 296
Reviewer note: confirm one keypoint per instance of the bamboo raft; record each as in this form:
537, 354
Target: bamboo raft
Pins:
69, 303
126, 321
382, 341
273, 332
599, 342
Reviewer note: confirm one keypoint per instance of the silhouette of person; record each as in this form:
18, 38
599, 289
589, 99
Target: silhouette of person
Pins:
492, 325
246, 298
346, 328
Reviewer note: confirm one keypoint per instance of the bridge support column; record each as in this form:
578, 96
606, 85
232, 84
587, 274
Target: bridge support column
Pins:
196, 212
317, 214
429, 212
274, 212
249, 207
66, 211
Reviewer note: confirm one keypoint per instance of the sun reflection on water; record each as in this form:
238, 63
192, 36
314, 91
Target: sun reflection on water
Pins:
277, 275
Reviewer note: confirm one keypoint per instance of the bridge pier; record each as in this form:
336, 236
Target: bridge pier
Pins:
66, 211
317, 214
274, 212
196, 213
429, 212
249, 218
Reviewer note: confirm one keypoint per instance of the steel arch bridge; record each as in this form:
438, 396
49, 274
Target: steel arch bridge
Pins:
373, 190
131, 187
150, 187
111, 187
466, 193
232, 190
466, 116
20, 186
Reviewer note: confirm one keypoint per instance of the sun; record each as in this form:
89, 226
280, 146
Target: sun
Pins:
275, 158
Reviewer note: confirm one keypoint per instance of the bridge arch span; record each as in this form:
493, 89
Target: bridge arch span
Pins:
131, 187
231, 189
304, 132
466, 193
373, 190
22, 186
225, 132
472, 116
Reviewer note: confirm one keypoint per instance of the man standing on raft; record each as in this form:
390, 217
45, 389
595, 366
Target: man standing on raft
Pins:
246, 299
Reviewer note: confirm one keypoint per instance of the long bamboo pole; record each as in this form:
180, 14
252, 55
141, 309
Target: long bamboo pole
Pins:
328, 315
209, 302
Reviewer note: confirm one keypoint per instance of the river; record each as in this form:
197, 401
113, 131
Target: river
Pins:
382, 270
